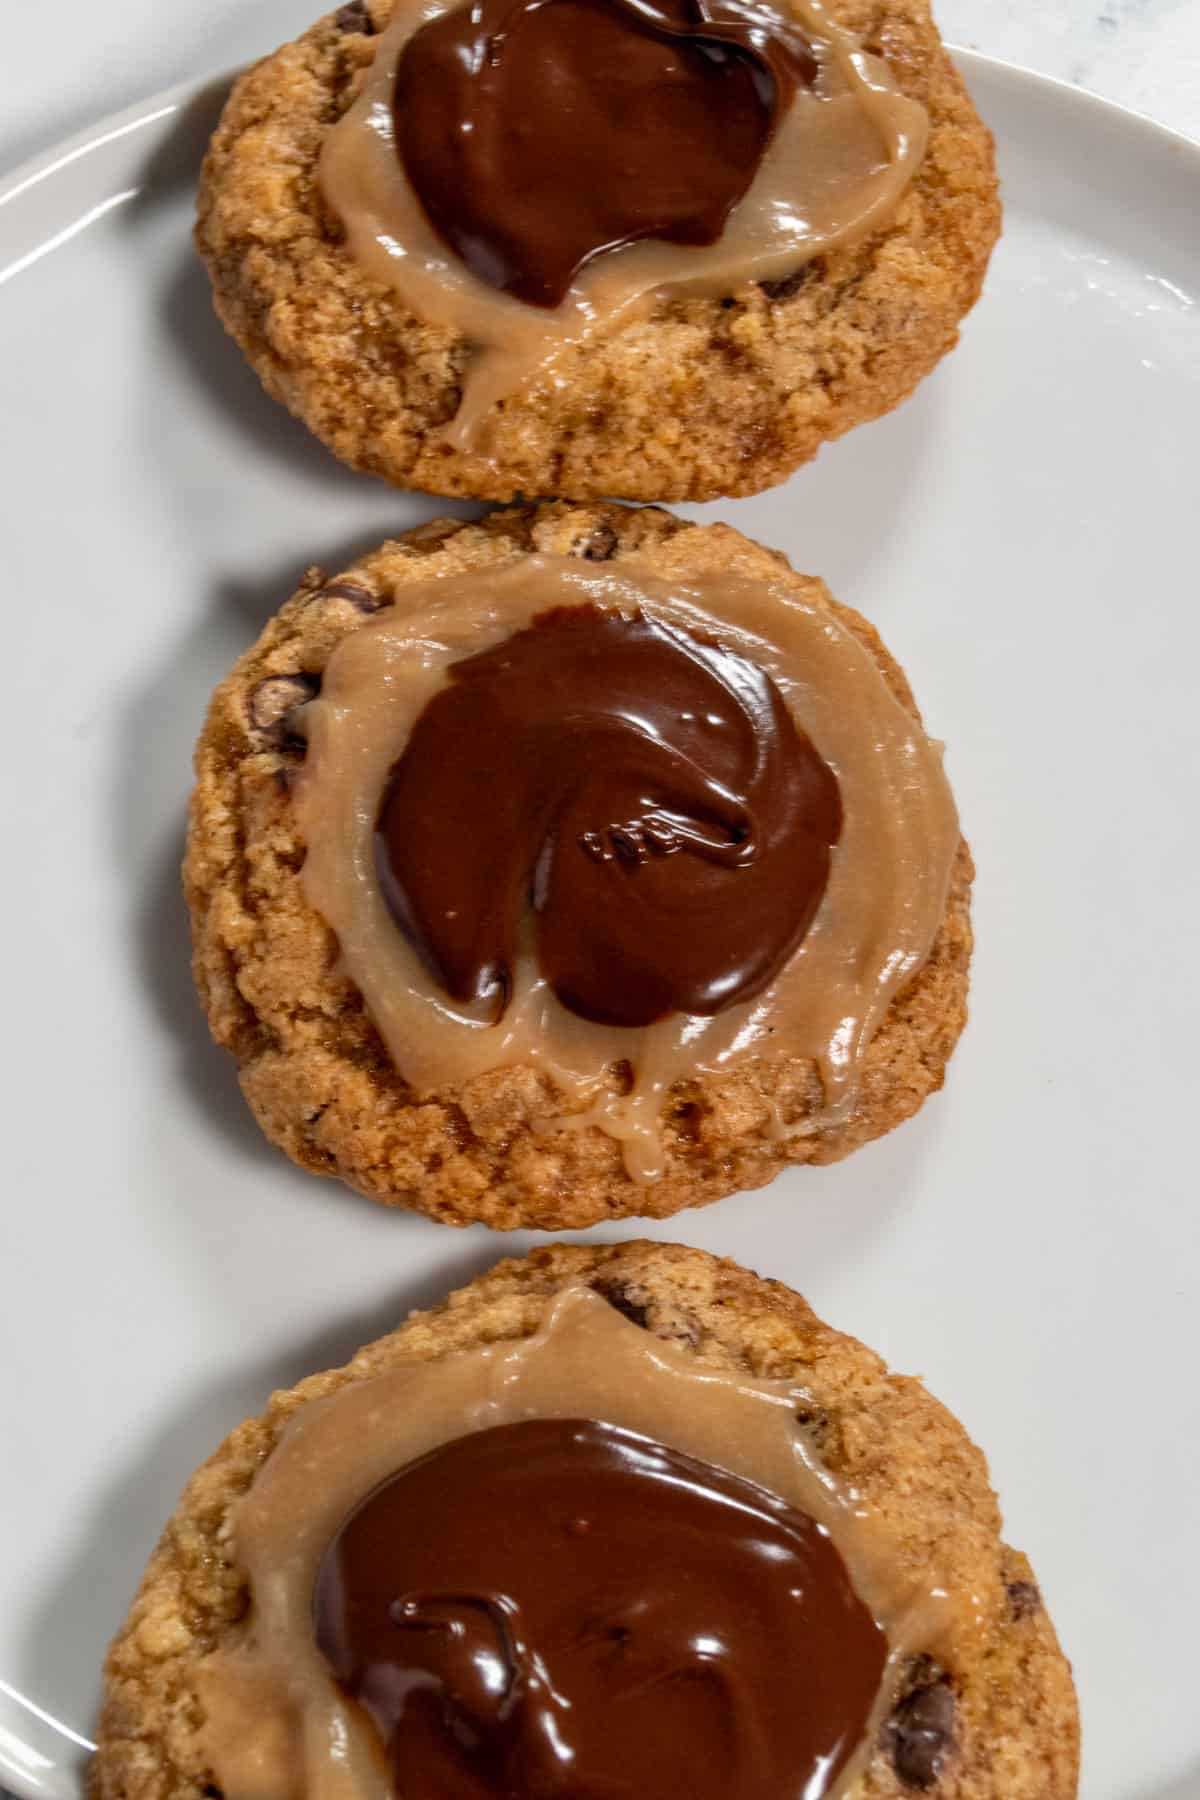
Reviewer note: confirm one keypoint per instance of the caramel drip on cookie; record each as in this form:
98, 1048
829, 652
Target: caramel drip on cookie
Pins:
278, 1726
881, 908
836, 166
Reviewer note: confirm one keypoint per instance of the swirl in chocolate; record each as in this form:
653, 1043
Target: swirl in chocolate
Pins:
538, 133
648, 796
559, 1606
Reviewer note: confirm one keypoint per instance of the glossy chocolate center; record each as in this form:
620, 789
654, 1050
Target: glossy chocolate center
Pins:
639, 802
538, 133
560, 1607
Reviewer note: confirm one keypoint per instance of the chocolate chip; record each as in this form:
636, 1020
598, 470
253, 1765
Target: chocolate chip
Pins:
359, 596
355, 17
274, 701
1024, 1599
787, 285
620, 1297
817, 1427
687, 1118
599, 544
918, 1734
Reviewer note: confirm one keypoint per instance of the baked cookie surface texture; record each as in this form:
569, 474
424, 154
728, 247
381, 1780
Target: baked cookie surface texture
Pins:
730, 236
573, 864
355, 1585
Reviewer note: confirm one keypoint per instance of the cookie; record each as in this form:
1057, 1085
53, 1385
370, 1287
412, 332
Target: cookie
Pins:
224, 1663
680, 372
359, 1062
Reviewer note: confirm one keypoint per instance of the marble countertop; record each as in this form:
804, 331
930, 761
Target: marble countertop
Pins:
1143, 53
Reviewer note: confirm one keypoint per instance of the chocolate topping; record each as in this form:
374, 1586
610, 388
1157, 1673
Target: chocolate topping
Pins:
647, 794
538, 133
559, 1606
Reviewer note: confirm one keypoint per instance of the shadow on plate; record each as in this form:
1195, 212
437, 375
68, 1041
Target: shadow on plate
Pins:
262, 428
213, 362
197, 121
851, 1210
161, 723
175, 165
215, 366
60, 1658
211, 358
1186, 1787
207, 1072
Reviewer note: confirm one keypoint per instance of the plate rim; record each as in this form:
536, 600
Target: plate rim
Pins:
1085, 105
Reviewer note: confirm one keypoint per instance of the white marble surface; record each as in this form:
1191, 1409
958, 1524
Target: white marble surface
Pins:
1143, 53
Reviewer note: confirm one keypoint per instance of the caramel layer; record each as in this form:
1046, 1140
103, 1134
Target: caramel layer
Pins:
836, 167
276, 1725
882, 905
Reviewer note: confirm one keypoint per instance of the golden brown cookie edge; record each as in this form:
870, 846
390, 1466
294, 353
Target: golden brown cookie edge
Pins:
1015, 1731
473, 1153
707, 398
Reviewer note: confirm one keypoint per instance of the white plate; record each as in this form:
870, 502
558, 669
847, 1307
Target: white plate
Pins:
1024, 533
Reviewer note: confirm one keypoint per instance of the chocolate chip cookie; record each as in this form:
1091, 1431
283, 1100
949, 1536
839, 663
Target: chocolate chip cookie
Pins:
732, 238
474, 872
292, 1613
